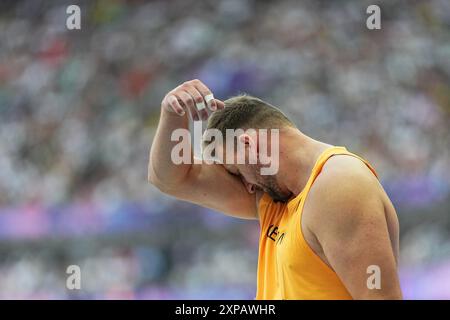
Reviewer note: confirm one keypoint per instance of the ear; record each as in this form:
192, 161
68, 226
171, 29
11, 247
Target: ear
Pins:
244, 138
249, 140
251, 144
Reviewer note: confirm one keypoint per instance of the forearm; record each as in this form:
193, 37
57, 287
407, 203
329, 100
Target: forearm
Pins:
162, 171
191, 97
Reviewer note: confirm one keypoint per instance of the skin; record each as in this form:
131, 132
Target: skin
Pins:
348, 220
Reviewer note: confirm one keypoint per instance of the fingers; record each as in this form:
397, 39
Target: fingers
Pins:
188, 102
192, 96
175, 105
219, 104
206, 93
198, 99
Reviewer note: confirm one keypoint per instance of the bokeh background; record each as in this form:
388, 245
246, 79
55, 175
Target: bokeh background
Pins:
78, 112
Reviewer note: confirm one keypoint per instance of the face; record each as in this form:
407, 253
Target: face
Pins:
250, 174
252, 179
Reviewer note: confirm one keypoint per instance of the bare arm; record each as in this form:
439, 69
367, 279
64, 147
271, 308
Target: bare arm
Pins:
208, 185
351, 227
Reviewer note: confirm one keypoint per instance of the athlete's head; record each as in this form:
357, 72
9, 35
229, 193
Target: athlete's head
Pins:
251, 114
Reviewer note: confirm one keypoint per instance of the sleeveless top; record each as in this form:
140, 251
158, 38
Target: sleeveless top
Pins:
287, 266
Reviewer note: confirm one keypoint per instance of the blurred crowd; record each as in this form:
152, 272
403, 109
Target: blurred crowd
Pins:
79, 108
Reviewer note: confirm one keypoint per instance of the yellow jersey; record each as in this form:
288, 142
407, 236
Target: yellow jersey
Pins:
287, 266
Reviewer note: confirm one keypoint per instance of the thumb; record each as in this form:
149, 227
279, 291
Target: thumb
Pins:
219, 104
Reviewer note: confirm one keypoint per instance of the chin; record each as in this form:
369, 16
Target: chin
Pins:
281, 198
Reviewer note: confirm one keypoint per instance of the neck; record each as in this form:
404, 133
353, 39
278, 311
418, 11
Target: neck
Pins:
297, 159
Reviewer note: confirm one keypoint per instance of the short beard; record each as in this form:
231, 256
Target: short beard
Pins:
271, 187
278, 196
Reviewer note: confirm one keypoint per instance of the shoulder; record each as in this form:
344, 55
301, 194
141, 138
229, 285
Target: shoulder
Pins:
345, 191
342, 174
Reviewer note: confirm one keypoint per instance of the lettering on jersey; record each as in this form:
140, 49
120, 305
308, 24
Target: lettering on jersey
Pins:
272, 232
280, 238
274, 235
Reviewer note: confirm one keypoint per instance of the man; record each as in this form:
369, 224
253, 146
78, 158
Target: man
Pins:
328, 229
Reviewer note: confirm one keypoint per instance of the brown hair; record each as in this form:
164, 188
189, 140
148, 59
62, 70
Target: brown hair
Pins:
247, 112
244, 112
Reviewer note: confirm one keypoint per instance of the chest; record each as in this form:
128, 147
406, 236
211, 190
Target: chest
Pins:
281, 239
